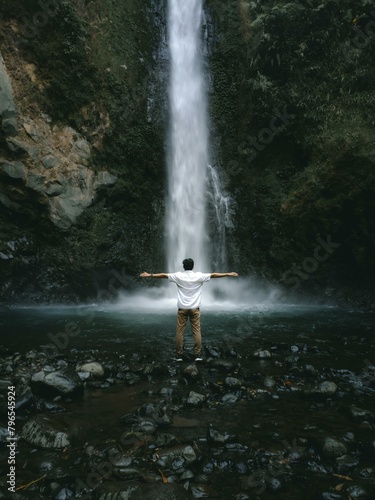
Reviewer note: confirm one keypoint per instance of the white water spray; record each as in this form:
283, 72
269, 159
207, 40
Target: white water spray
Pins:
188, 158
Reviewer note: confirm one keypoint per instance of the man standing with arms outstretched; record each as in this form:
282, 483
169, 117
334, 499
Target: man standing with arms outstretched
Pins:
189, 291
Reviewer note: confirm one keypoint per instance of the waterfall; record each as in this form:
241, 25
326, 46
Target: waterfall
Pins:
188, 147
221, 209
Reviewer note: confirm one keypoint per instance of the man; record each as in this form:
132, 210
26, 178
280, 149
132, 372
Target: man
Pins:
189, 291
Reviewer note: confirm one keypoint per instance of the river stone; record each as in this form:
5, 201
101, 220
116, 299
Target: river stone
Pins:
167, 455
229, 398
121, 459
334, 448
15, 170
96, 369
262, 354
45, 433
214, 436
59, 383
191, 371
345, 463
195, 399
359, 414
132, 490
144, 425
327, 388
232, 382
222, 365
269, 382
158, 413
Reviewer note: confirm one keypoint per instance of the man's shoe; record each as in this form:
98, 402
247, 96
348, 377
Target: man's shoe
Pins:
178, 359
198, 359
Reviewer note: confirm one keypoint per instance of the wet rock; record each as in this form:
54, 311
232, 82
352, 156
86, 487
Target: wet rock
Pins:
64, 493
222, 365
65, 383
233, 382
145, 426
274, 485
195, 399
309, 370
291, 360
25, 399
213, 352
94, 368
47, 407
334, 448
166, 392
345, 463
204, 491
165, 439
230, 398
269, 382
120, 459
263, 354
131, 378
191, 371
355, 491
128, 473
327, 388
158, 413
166, 456
358, 414
216, 437
4, 434
45, 433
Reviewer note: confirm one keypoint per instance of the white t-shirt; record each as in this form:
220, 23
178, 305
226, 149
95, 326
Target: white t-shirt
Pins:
189, 288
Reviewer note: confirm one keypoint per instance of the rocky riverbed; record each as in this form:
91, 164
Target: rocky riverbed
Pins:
249, 421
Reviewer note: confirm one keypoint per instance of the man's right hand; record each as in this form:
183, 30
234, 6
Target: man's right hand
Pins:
233, 274
145, 275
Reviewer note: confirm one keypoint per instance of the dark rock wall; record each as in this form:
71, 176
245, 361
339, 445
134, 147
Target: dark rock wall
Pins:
292, 107
293, 103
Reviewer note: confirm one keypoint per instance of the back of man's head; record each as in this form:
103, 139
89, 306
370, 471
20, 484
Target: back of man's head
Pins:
188, 264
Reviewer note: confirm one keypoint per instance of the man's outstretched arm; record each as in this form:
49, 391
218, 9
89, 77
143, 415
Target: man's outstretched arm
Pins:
159, 275
223, 275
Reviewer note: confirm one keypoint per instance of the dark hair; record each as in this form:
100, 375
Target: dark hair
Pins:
188, 264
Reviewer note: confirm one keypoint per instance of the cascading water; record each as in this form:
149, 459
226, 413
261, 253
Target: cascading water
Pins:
188, 148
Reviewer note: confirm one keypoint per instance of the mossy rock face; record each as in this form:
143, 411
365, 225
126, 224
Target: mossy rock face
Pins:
91, 69
313, 177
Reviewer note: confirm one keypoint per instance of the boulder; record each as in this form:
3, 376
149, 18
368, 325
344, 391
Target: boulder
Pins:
59, 383
195, 399
45, 433
334, 448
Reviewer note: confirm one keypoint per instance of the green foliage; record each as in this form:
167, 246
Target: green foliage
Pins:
311, 59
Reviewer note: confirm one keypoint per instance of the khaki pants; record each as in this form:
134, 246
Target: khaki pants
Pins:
195, 322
